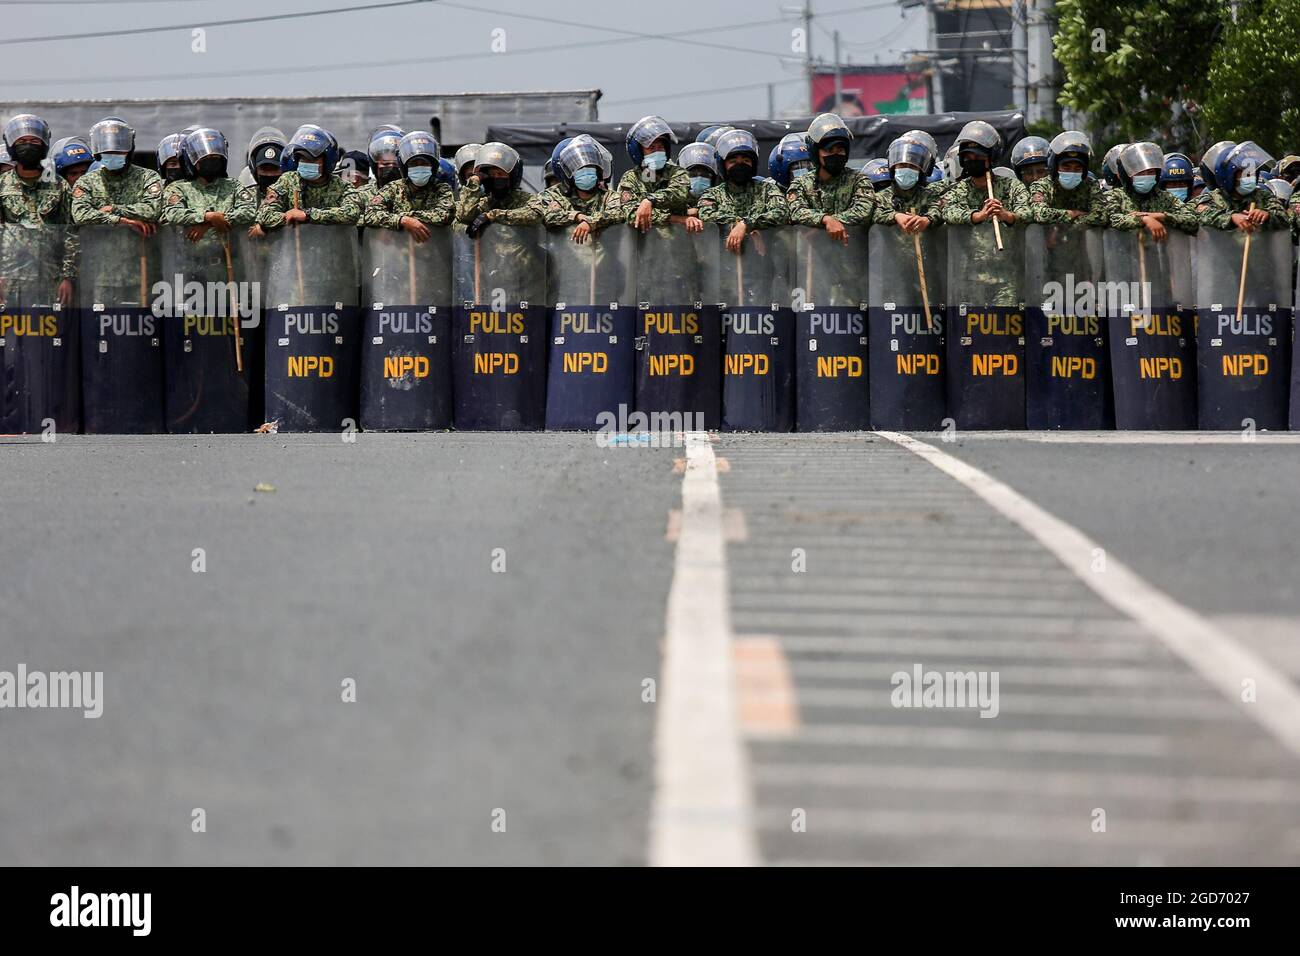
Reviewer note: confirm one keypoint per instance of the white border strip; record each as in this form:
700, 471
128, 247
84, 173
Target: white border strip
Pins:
1210, 651
702, 813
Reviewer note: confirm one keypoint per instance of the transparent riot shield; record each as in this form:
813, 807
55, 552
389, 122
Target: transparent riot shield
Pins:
1243, 329
499, 328
1147, 303
593, 328
313, 328
905, 325
679, 329
208, 311
985, 335
121, 340
406, 331
758, 332
40, 358
1067, 363
829, 295
1295, 351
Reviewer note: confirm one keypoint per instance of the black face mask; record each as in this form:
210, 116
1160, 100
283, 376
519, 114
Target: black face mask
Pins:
974, 165
498, 187
740, 174
835, 163
212, 168
267, 180
172, 173
387, 174
29, 155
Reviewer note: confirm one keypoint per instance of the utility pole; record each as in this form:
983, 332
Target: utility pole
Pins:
839, 77
771, 101
807, 50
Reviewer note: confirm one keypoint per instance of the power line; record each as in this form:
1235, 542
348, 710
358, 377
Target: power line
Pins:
699, 92
99, 34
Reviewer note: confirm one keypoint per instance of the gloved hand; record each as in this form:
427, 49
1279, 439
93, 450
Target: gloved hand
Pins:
478, 225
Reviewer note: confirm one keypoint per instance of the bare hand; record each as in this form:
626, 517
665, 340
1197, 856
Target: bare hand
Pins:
64, 293
1155, 227
417, 229
1075, 213
643, 215
256, 231
736, 237
143, 229
217, 220
835, 229
195, 233
295, 215
581, 232
694, 224
1242, 221
1257, 217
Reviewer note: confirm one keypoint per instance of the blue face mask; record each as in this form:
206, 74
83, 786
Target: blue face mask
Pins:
1179, 193
420, 175
586, 178
906, 178
699, 184
113, 161
309, 170
1070, 180
802, 170
655, 161
1144, 184
1246, 185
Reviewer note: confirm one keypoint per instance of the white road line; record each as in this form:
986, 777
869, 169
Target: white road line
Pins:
933, 737
1137, 438
702, 813
1209, 650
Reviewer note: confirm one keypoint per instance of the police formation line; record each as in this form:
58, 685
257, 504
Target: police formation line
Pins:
693, 292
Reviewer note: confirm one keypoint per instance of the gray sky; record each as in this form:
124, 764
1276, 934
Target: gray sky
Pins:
378, 51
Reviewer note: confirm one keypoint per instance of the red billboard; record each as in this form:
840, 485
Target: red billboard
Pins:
868, 91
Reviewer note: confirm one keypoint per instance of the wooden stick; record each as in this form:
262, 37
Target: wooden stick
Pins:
920, 271
740, 280
997, 226
1142, 272
477, 296
808, 285
591, 277
234, 309
410, 266
297, 245
144, 274
1245, 257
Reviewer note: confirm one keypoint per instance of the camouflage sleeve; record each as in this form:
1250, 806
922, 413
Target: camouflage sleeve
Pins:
1041, 209
1018, 200
1179, 214
610, 212
439, 214
471, 203
1277, 214
884, 212
147, 208
674, 196
801, 211
556, 212
521, 211
278, 200
953, 210
86, 209
716, 206
71, 242
1098, 214
175, 211
379, 212
1122, 213
774, 212
1216, 214
862, 205
346, 213
243, 207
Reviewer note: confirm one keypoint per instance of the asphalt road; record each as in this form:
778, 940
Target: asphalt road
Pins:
499, 715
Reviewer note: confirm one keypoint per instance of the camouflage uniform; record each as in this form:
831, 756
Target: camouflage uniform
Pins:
517, 208
669, 194
1125, 208
1217, 212
520, 262
759, 203
559, 209
922, 199
989, 272
1049, 203
35, 203
329, 201
186, 201
135, 193
432, 204
848, 196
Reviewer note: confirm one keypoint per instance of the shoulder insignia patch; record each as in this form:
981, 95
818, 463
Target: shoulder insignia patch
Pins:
626, 195
555, 205
154, 189
173, 198
270, 196
78, 192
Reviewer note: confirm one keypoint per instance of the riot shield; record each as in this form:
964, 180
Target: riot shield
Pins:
593, 328
906, 329
1243, 329
499, 328
406, 336
121, 340
985, 344
1067, 363
758, 332
1295, 355
313, 328
679, 329
830, 295
40, 373
1147, 303
207, 297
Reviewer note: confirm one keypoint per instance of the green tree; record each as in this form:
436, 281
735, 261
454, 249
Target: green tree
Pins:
1251, 83
1138, 69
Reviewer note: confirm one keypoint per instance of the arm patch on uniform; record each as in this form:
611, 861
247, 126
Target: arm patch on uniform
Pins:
78, 192
154, 189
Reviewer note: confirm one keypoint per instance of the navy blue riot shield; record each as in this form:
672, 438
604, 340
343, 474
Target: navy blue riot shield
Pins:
40, 375
313, 328
121, 340
679, 329
829, 296
406, 331
1147, 302
499, 328
758, 332
592, 287
906, 329
208, 298
1067, 363
986, 327
1295, 356
1243, 329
